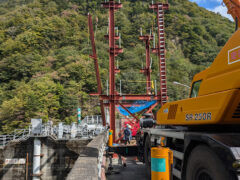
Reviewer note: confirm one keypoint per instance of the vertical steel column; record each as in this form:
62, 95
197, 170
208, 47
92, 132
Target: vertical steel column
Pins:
147, 69
112, 67
113, 51
36, 159
26, 167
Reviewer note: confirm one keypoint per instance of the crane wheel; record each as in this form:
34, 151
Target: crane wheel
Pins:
204, 164
147, 156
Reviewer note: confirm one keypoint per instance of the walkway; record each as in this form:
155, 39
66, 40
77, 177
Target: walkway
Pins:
135, 170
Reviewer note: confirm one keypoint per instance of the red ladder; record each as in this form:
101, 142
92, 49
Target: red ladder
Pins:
161, 44
160, 50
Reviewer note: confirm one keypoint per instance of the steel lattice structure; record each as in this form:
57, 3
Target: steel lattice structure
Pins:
114, 98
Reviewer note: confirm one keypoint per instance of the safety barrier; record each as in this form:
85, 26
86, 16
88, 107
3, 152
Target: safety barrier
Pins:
89, 127
89, 162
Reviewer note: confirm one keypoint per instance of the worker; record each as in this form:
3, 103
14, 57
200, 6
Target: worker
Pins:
107, 126
127, 134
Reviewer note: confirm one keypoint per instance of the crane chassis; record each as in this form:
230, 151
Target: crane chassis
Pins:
223, 147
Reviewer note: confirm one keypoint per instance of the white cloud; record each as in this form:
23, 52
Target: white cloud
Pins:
222, 10
218, 9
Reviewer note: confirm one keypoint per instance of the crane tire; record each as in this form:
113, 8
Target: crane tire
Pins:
204, 164
147, 156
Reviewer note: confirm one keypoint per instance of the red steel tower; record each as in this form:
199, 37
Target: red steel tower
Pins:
114, 98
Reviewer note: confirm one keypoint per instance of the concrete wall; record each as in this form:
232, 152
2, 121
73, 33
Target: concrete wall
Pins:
88, 164
12, 171
57, 160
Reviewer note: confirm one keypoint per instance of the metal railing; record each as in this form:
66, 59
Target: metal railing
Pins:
92, 119
89, 127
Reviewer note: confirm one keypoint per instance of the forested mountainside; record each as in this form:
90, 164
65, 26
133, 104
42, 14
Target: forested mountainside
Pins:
45, 70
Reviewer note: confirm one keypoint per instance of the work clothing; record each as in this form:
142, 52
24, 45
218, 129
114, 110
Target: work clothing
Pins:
127, 135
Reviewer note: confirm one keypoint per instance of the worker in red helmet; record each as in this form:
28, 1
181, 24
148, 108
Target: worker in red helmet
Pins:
127, 134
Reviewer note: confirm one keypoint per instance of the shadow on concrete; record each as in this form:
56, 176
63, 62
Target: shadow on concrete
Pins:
87, 163
57, 159
13, 171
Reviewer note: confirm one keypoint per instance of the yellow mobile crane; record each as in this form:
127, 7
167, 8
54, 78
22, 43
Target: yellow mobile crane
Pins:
203, 131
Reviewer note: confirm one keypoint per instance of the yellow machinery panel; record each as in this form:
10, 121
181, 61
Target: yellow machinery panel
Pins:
224, 73
215, 95
217, 108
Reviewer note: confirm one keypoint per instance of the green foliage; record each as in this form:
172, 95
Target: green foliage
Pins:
45, 71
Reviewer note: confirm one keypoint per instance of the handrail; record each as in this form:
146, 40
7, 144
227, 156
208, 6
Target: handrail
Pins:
89, 127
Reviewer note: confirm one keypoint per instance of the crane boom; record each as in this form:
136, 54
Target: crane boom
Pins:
234, 9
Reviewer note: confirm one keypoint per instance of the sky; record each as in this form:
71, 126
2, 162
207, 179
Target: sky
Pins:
215, 6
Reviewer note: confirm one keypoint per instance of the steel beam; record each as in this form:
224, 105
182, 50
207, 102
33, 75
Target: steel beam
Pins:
155, 6
96, 66
143, 97
135, 117
147, 69
152, 107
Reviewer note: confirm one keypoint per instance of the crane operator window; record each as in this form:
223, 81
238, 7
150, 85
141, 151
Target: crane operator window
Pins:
195, 88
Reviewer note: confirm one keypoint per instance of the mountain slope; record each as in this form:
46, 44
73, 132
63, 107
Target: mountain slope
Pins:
45, 70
